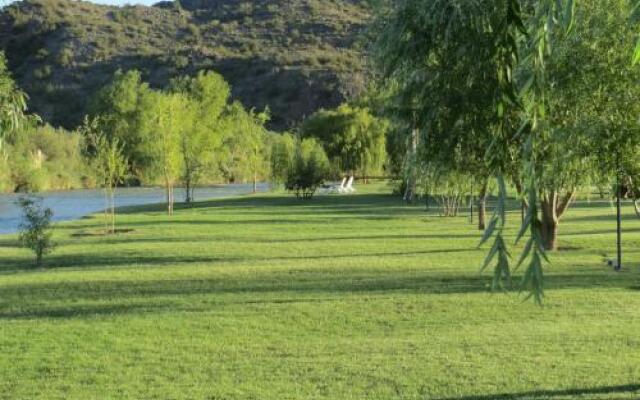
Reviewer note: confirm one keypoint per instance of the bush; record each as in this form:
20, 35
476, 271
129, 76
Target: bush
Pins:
65, 56
308, 170
35, 229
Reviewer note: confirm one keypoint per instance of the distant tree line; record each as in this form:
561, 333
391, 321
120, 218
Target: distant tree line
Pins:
185, 135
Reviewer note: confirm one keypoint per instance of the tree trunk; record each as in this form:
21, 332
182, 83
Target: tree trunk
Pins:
255, 182
553, 207
187, 189
482, 207
412, 179
636, 206
550, 233
169, 192
172, 200
113, 210
106, 210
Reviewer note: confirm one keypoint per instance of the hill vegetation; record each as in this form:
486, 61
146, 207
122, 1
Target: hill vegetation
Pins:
294, 56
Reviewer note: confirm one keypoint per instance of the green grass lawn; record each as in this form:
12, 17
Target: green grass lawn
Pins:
340, 297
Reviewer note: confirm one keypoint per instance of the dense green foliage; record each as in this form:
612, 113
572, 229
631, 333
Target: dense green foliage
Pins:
308, 168
186, 134
38, 158
354, 139
344, 297
294, 56
532, 101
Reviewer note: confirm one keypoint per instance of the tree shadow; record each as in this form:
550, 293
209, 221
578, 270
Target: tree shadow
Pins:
8, 264
313, 285
259, 240
550, 394
81, 311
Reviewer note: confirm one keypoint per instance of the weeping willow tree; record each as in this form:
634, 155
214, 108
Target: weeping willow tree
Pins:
483, 67
13, 103
353, 138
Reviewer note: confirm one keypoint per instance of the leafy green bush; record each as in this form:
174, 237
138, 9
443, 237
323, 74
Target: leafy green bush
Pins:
35, 229
309, 169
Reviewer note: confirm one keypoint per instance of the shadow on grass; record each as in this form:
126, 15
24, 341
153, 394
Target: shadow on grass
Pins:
258, 201
550, 394
215, 239
93, 261
82, 311
295, 285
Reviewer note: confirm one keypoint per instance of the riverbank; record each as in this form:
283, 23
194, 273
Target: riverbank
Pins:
74, 204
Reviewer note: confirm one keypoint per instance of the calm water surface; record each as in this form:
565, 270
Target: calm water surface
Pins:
74, 204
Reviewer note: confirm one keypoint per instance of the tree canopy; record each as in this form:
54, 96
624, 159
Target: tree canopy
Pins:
352, 136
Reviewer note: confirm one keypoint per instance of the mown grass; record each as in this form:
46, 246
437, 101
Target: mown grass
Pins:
341, 297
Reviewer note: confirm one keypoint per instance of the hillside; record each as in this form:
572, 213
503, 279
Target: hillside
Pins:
293, 55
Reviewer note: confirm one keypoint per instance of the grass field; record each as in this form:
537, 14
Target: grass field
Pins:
341, 297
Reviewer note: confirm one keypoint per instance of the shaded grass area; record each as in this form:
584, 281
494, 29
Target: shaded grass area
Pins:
341, 297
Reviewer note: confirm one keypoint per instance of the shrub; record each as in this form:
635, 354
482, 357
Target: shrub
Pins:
65, 56
42, 73
35, 229
308, 170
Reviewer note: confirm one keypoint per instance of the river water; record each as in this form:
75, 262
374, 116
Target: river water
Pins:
74, 204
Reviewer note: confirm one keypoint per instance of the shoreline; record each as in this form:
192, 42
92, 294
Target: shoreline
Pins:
72, 205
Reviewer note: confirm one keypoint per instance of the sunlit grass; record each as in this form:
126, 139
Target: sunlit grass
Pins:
341, 297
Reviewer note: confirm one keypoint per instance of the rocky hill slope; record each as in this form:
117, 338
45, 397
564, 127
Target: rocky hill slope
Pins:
293, 55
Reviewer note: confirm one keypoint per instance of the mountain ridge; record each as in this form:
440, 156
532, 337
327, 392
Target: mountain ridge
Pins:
295, 56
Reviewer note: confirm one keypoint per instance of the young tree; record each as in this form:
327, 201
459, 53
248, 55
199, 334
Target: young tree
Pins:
106, 156
121, 107
245, 144
166, 117
283, 150
35, 229
208, 94
309, 168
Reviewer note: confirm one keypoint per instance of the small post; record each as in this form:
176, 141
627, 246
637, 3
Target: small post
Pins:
471, 201
619, 218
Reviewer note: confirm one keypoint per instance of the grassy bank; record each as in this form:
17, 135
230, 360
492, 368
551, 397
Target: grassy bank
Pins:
341, 297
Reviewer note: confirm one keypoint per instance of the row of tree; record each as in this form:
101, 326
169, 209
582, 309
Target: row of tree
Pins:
187, 134
542, 95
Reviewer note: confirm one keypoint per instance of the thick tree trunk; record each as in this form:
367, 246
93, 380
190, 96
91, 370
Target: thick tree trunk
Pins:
552, 206
551, 236
482, 207
549, 232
